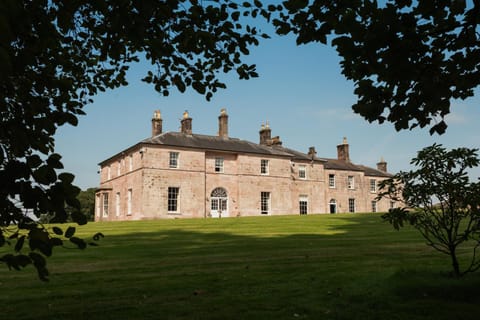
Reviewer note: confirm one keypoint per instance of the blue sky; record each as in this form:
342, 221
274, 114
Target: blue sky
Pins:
300, 92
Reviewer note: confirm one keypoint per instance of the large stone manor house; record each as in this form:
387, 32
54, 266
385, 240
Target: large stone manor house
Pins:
188, 175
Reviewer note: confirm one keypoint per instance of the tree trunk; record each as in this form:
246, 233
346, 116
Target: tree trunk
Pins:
455, 265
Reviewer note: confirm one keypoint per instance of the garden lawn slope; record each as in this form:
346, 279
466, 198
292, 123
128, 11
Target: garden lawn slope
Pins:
350, 266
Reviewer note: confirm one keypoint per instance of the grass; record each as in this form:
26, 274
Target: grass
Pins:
289, 267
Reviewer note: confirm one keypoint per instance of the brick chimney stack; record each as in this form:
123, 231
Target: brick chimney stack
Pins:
265, 134
382, 165
156, 123
223, 124
186, 123
312, 153
342, 151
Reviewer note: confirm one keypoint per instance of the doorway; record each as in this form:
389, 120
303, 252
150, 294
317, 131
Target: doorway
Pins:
219, 203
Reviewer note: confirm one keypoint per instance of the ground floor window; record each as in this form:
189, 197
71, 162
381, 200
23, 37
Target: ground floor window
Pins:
351, 205
117, 204
374, 206
105, 204
129, 202
173, 199
98, 208
303, 204
265, 202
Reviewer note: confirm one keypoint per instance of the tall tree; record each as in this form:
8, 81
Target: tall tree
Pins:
56, 55
408, 59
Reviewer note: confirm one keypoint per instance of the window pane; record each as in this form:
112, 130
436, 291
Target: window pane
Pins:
331, 180
265, 202
351, 205
218, 164
173, 159
173, 199
264, 166
302, 172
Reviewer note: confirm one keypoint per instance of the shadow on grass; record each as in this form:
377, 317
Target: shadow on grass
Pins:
336, 267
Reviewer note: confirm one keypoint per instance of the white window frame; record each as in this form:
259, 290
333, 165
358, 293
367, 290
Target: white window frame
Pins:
173, 201
373, 185
351, 182
105, 204
173, 161
351, 205
219, 165
129, 202
264, 167
98, 201
117, 204
303, 204
302, 172
265, 201
331, 180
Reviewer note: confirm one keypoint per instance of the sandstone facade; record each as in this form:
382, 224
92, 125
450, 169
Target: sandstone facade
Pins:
187, 175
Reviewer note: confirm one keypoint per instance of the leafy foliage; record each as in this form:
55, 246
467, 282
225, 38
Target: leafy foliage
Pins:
408, 59
441, 201
56, 55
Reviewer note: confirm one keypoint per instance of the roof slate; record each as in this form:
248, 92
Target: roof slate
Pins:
199, 141
205, 142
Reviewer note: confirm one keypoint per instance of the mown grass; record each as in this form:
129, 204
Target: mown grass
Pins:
290, 267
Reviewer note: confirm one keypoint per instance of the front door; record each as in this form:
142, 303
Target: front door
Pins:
219, 203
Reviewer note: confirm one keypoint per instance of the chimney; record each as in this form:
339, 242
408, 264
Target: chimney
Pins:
312, 153
382, 165
342, 151
186, 123
223, 124
156, 123
265, 134
275, 141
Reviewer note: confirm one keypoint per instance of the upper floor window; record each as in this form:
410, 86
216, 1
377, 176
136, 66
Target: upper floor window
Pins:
173, 160
219, 164
373, 185
173, 199
331, 180
351, 182
263, 166
351, 205
302, 172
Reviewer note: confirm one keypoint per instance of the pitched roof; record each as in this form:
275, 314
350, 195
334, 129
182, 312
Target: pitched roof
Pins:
335, 164
200, 141
206, 142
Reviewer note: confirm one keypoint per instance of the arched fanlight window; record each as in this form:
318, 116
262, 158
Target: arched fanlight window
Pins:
219, 193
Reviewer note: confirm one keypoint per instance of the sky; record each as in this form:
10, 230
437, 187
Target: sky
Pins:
300, 92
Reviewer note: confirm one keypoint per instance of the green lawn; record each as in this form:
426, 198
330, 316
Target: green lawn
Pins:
293, 267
